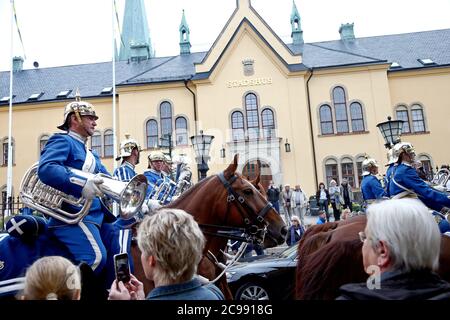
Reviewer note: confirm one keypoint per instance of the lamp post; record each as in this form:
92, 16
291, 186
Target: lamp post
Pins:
202, 144
167, 137
391, 131
287, 146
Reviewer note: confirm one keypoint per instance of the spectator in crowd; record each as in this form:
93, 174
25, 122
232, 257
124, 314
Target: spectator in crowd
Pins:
299, 203
172, 245
286, 197
322, 217
52, 278
400, 252
323, 199
295, 232
335, 199
273, 195
346, 194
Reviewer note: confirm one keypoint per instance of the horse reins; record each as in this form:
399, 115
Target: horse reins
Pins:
251, 229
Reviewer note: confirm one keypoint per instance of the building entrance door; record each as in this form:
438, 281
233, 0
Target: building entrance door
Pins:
251, 169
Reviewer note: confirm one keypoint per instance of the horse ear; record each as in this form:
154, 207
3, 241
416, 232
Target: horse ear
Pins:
232, 167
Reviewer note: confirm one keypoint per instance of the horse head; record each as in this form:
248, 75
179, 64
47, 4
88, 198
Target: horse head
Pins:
250, 208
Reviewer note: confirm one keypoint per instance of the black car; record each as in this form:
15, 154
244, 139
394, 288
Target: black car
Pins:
267, 278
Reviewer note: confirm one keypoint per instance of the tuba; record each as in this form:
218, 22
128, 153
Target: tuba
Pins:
49, 201
163, 190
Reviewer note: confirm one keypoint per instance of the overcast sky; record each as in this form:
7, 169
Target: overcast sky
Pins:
67, 32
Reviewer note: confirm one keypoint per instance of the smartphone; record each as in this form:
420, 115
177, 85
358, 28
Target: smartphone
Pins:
122, 267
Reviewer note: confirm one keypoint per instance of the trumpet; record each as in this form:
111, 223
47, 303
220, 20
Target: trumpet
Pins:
48, 200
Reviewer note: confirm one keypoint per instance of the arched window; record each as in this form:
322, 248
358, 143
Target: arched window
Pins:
426, 165
326, 119
348, 171
340, 107
268, 123
166, 122
402, 114
356, 115
251, 110
151, 133
181, 131
237, 125
5, 151
418, 122
331, 171
359, 162
96, 143
108, 143
43, 142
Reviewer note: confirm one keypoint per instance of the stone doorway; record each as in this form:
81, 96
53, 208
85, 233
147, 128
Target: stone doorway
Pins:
251, 169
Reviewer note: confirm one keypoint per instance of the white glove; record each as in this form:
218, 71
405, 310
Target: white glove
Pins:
144, 208
91, 189
153, 205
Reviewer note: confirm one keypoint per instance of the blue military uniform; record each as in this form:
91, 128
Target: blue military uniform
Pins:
155, 179
407, 182
371, 188
387, 179
83, 239
125, 172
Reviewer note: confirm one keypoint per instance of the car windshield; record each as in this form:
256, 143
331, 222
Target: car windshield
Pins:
289, 252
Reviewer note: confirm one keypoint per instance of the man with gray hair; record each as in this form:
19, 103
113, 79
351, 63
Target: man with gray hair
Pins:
401, 245
172, 246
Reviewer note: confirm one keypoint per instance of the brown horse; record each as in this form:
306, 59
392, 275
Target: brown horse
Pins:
220, 204
330, 255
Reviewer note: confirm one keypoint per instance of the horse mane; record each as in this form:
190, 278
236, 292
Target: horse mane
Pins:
189, 192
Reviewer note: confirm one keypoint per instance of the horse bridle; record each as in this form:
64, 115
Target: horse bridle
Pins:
252, 233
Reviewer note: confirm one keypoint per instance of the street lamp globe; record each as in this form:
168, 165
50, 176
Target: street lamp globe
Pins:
202, 145
391, 131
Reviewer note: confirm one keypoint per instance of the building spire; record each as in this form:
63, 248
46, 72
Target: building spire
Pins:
185, 44
136, 44
297, 33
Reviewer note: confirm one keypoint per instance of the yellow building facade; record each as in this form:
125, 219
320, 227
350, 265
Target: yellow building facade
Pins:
306, 112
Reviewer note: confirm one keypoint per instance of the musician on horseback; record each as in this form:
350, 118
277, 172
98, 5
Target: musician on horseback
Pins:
371, 187
70, 150
129, 154
157, 177
407, 183
392, 163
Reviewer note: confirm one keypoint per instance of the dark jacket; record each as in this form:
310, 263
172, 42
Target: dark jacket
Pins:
318, 196
292, 237
273, 194
416, 285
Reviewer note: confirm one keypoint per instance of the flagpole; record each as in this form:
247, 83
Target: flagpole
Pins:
113, 45
113, 49
9, 172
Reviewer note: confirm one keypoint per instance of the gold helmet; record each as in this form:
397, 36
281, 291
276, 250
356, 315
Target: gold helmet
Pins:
80, 108
401, 147
367, 164
156, 156
127, 146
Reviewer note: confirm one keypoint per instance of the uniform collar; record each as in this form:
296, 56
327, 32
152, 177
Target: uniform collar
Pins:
77, 136
128, 164
406, 164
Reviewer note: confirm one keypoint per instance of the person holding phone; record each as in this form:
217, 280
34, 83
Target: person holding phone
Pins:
172, 246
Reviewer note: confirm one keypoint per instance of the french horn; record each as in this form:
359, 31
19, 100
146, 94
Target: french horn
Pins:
49, 201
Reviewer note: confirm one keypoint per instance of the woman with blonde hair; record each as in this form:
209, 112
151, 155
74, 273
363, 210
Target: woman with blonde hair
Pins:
172, 246
52, 278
